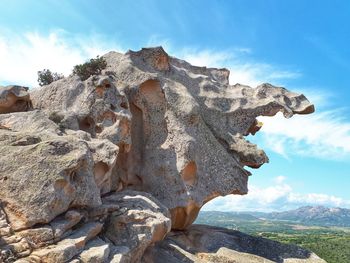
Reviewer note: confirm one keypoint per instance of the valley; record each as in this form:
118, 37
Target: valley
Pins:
331, 243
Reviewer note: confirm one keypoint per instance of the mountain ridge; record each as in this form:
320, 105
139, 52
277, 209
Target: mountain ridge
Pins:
310, 215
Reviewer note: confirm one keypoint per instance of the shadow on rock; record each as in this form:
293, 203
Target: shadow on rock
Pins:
201, 243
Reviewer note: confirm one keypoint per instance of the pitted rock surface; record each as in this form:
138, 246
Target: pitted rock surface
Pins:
180, 128
99, 170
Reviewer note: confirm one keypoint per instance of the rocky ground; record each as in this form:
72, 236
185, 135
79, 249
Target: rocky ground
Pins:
102, 170
201, 243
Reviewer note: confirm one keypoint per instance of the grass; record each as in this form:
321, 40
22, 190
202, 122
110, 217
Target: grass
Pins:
332, 247
330, 243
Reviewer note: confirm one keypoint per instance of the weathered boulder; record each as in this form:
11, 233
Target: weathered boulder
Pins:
204, 244
94, 109
11, 246
14, 98
102, 169
180, 128
67, 248
140, 222
131, 222
96, 251
42, 174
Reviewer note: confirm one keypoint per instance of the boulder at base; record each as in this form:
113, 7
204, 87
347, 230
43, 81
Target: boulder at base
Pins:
204, 244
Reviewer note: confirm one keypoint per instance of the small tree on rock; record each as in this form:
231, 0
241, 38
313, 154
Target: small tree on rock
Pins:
92, 67
45, 77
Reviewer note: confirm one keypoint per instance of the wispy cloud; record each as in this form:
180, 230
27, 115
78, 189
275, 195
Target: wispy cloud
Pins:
281, 196
280, 179
23, 55
235, 59
323, 134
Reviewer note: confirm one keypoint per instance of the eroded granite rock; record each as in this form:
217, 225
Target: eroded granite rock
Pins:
101, 169
180, 128
140, 222
42, 173
119, 234
204, 244
14, 98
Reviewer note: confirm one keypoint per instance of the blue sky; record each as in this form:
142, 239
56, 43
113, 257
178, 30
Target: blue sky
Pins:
302, 45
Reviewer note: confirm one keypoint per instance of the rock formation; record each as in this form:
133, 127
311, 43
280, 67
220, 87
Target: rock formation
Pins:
14, 98
101, 169
204, 244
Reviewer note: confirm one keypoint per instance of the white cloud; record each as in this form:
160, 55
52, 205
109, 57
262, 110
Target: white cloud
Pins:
280, 179
248, 73
206, 57
323, 134
22, 56
273, 198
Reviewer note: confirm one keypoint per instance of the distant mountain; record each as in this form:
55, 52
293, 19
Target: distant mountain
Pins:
315, 215
221, 216
307, 215
231, 220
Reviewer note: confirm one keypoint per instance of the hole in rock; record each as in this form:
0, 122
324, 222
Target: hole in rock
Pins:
21, 105
152, 92
182, 217
124, 105
211, 203
87, 124
109, 118
98, 129
189, 173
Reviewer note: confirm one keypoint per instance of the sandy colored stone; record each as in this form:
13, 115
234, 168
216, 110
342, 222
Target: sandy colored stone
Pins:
60, 225
69, 247
96, 251
204, 244
140, 222
14, 98
135, 151
38, 237
179, 128
42, 174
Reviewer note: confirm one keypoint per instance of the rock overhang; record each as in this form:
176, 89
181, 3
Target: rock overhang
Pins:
157, 124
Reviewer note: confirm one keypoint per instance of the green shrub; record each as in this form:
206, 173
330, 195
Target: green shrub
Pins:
45, 77
92, 67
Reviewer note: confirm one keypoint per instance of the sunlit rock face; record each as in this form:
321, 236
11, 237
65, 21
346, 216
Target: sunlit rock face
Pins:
208, 244
14, 98
138, 149
179, 128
